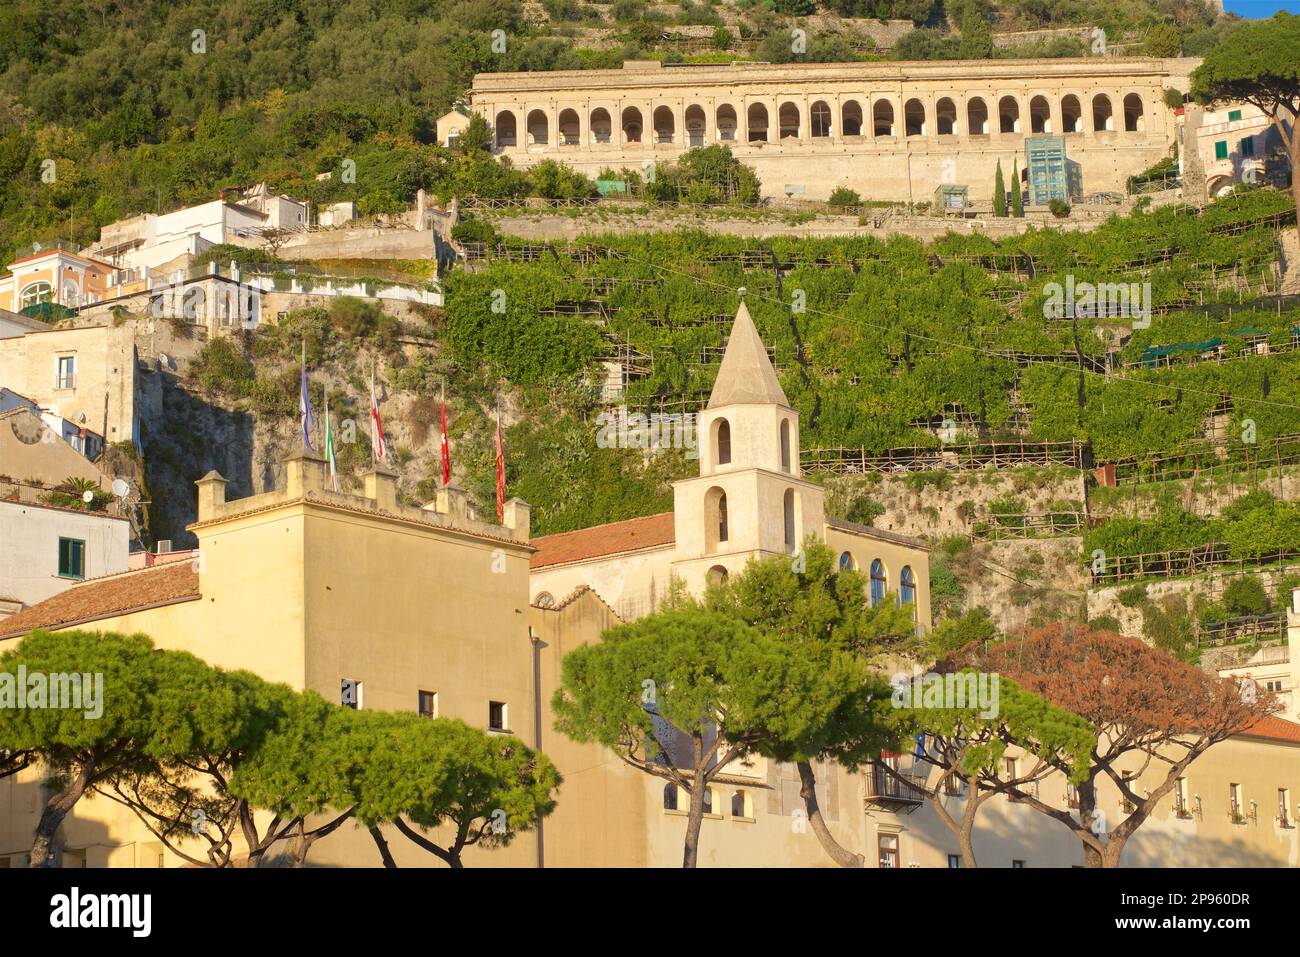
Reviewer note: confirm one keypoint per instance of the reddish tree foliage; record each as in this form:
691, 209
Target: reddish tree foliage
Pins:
1148, 709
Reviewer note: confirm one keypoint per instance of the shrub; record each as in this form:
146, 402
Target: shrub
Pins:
843, 196
1245, 595
1134, 596
1060, 208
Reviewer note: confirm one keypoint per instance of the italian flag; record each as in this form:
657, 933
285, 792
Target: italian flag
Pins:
329, 445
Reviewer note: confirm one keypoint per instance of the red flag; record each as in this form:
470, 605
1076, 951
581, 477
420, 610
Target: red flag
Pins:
501, 473
446, 451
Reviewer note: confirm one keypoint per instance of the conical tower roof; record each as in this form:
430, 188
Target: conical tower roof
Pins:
746, 376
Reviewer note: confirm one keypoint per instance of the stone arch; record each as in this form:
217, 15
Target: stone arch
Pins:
506, 129
914, 118
1103, 114
726, 122
717, 575
665, 124
820, 119
602, 127
721, 442
1135, 120
756, 123
696, 121
945, 116
1040, 115
1071, 114
539, 130
882, 118
851, 118
570, 128
977, 117
1008, 115
716, 530
788, 121
631, 124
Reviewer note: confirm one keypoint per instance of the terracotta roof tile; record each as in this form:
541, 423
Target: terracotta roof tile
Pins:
107, 597
1279, 729
631, 535
574, 596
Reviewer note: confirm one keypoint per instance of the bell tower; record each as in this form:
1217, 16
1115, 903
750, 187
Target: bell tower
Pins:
750, 499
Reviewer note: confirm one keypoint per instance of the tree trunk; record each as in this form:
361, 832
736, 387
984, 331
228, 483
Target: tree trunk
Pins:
808, 791
694, 818
382, 844
55, 810
1294, 151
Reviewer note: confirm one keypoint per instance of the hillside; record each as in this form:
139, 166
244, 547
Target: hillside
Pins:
285, 91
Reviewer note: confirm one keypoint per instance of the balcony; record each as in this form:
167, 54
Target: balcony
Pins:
893, 790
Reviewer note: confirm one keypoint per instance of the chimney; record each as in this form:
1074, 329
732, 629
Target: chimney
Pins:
212, 494
516, 517
381, 487
304, 472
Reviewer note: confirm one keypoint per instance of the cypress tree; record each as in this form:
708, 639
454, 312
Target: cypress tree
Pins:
1017, 200
999, 193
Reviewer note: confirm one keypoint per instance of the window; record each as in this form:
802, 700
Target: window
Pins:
35, 294
887, 848
1221, 150
1071, 796
544, 600
1274, 686
1283, 806
878, 582
497, 717
907, 588
350, 693
1180, 799
1248, 146
722, 517
1017, 864
742, 806
847, 564
791, 534
954, 861
65, 373
428, 704
785, 445
670, 797
1235, 804
1234, 115
72, 558
724, 442
707, 798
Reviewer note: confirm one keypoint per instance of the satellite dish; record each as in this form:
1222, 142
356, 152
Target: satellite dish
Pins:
120, 488
87, 496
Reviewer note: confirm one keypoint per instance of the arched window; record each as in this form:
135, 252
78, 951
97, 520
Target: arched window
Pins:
708, 801
907, 588
722, 442
670, 797
741, 806
665, 124
882, 118
756, 118
791, 533
851, 118
695, 120
1008, 115
1071, 114
631, 125
569, 132
788, 117
506, 132
601, 125
726, 122
945, 112
977, 117
538, 128
879, 584
820, 114
544, 600
1040, 115
847, 562
785, 444
717, 576
36, 293
914, 118
715, 518
1102, 118
1134, 115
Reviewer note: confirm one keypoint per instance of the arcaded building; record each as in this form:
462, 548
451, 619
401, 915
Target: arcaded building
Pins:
889, 130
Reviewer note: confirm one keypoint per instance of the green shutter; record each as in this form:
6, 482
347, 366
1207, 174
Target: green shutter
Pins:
1234, 115
1221, 150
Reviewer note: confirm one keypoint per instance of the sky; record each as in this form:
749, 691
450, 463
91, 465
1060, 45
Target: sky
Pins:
1260, 8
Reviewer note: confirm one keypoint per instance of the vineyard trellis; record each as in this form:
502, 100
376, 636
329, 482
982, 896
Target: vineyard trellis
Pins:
954, 457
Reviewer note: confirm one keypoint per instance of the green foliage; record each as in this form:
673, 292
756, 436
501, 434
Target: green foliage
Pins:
1166, 625
1134, 596
1245, 595
1163, 40
999, 193
1059, 207
843, 196
1017, 199
953, 634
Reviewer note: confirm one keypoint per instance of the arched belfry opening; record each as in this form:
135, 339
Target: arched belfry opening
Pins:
722, 442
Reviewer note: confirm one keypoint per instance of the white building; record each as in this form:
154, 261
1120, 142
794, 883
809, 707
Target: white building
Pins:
45, 550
